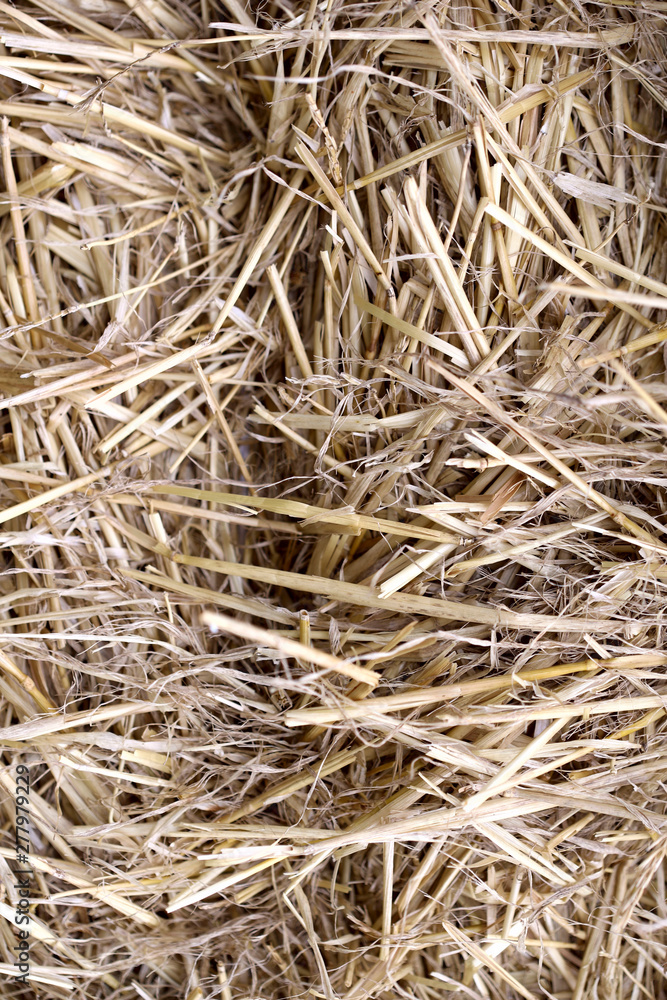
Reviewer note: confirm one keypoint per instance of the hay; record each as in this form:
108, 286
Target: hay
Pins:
333, 498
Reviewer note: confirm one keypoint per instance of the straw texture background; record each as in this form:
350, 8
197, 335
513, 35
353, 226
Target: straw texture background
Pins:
332, 498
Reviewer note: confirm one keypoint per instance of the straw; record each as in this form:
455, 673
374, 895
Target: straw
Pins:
332, 382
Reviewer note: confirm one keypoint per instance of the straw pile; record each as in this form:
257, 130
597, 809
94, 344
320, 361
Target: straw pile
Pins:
333, 497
